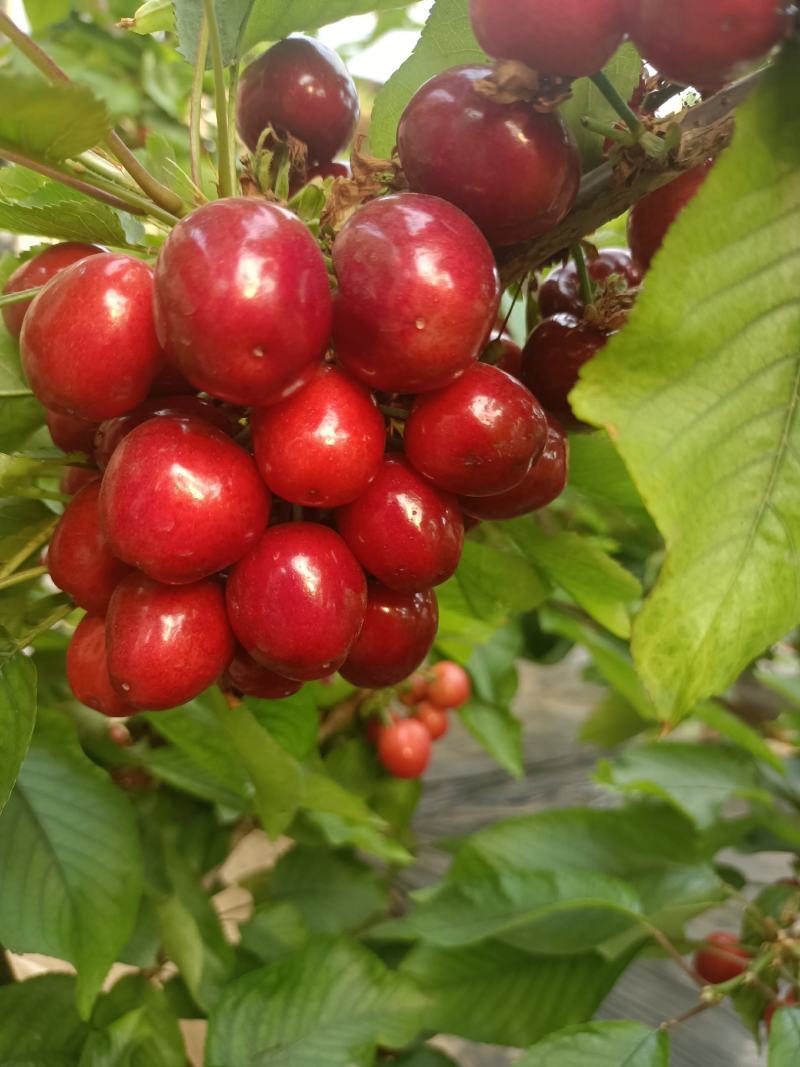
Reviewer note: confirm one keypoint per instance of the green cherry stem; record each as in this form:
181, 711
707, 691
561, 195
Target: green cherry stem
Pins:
227, 165
46, 624
22, 576
19, 298
609, 91
586, 283
196, 103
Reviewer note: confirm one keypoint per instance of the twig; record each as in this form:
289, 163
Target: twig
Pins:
698, 1009
673, 953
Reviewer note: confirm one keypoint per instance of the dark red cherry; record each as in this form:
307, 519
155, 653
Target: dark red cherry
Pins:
573, 38
561, 290
170, 382
513, 170
404, 748
418, 293
38, 271
435, 720
651, 218
251, 679
323, 446
543, 483
181, 501
723, 958
702, 44
88, 343
478, 436
73, 479
301, 87
70, 434
397, 635
166, 643
552, 360
243, 306
297, 600
87, 669
320, 170
80, 560
404, 531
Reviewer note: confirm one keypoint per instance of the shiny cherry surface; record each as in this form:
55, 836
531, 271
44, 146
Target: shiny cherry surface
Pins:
513, 170
478, 436
181, 501
73, 479
87, 669
561, 290
418, 293
88, 343
243, 307
722, 960
552, 360
404, 531
38, 271
651, 218
544, 482
166, 643
70, 434
301, 87
404, 748
323, 446
573, 38
449, 685
435, 720
397, 635
297, 600
252, 679
80, 559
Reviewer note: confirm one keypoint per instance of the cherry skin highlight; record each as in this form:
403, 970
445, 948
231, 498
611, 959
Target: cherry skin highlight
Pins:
38, 271
323, 446
725, 960
297, 600
404, 748
242, 302
180, 501
651, 218
88, 344
403, 530
479, 436
397, 635
251, 679
513, 170
418, 293
552, 360
435, 720
449, 685
80, 560
70, 434
561, 291
87, 669
300, 87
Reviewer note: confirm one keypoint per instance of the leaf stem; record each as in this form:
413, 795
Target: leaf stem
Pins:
46, 624
609, 91
698, 1009
227, 173
196, 103
9, 566
19, 298
22, 576
507, 319
586, 283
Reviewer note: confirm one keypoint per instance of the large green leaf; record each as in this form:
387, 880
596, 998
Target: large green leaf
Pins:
231, 18
40, 1023
49, 121
24, 527
273, 19
57, 211
292, 722
136, 1028
624, 71
612, 1044
595, 468
488, 716
17, 716
784, 1038
700, 393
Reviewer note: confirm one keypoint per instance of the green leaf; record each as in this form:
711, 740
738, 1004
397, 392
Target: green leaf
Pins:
154, 16
613, 721
611, 1044
700, 392
274, 19
596, 469
41, 1022
624, 71
327, 1006
71, 860
137, 1028
195, 730
784, 1038
17, 716
49, 121
292, 722
231, 17
425, 1057
56, 211
274, 932
735, 729
487, 716
25, 526
44, 13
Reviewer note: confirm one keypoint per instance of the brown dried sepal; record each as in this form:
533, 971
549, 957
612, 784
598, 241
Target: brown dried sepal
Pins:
611, 308
513, 82
372, 177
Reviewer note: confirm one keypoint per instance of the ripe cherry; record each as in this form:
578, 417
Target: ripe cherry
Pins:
403, 530
87, 669
513, 170
301, 87
242, 302
722, 960
404, 748
435, 720
297, 600
73, 479
505, 353
651, 218
397, 635
181, 501
573, 38
544, 482
38, 271
478, 436
418, 293
80, 560
88, 343
70, 434
323, 446
253, 680
560, 292
449, 685
552, 360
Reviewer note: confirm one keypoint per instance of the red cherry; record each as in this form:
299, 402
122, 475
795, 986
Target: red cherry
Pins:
651, 218
404, 748
789, 1001
38, 271
448, 685
435, 720
88, 344
170, 382
323, 446
251, 679
560, 292
544, 482
479, 436
513, 170
166, 644
702, 44
726, 959
552, 360
87, 669
573, 38
397, 635
181, 501
301, 87
373, 729
80, 560
73, 479
70, 434
418, 293
297, 600
415, 689
243, 307
511, 361
403, 530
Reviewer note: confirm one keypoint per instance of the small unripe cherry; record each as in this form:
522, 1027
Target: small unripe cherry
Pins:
435, 720
414, 689
449, 685
722, 960
404, 748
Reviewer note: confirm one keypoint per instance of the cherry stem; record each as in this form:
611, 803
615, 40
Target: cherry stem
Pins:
698, 1009
514, 300
611, 132
227, 165
586, 283
29, 548
22, 576
628, 116
393, 413
671, 951
46, 624
18, 298
196, 103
